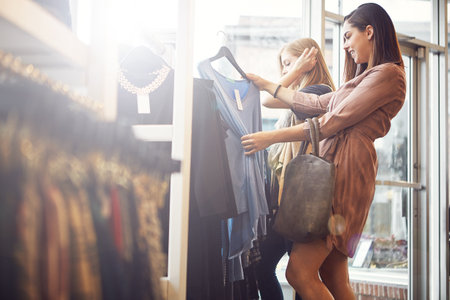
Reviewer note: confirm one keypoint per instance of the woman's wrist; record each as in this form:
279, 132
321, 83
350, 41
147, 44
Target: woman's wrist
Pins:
276, 90
271, 87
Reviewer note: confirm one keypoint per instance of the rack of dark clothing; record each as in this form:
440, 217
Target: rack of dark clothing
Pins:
211, 204
79, 197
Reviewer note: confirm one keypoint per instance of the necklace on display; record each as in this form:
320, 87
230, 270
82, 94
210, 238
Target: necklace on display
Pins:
143, 93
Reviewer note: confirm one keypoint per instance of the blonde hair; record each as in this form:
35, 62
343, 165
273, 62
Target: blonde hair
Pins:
319, 74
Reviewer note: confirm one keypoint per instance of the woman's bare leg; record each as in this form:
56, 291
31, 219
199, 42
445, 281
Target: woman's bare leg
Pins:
334, 273
302, 271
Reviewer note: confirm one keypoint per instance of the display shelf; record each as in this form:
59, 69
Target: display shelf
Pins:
30, 32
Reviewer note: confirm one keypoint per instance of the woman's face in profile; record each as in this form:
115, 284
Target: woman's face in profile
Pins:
358, 43
287, 61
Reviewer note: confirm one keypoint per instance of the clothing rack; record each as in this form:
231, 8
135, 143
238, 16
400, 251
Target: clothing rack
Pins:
42, 40
53, 151
39, 38
72, 119
14, 64
78, 226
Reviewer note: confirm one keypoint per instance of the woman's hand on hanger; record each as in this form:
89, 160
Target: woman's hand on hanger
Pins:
260, 82
285, 95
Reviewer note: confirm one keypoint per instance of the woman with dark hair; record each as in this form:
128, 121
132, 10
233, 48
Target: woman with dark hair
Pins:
359, 112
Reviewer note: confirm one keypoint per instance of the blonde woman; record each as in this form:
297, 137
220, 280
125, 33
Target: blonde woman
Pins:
313, 78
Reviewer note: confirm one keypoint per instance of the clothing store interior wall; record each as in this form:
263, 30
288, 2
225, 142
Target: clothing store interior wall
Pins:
162, 154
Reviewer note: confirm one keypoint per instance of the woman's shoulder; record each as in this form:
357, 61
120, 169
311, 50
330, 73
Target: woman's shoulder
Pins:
389, 67
318, 89
389, 72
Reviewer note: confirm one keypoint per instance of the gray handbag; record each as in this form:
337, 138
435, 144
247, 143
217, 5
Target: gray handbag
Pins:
305, 205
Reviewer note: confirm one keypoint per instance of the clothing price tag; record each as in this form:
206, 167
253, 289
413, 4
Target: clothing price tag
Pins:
238, 99
143, 104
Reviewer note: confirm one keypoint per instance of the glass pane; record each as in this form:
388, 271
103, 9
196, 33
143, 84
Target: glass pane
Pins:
410, 17
139, 23
332, 6
133, 23
392, 150
382, 256
333, 51
253, 30
448, 146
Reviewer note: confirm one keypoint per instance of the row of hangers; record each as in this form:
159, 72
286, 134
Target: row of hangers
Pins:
50, 111
141, 60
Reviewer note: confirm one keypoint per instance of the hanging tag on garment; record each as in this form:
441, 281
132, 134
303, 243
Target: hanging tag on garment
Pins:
143, 103
238, 99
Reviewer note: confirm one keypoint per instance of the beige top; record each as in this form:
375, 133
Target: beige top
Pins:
356, 114
281, 154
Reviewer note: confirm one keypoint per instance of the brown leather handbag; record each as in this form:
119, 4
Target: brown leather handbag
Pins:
305, 205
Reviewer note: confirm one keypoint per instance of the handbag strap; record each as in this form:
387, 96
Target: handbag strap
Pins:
314, 134
317, 133
303, 147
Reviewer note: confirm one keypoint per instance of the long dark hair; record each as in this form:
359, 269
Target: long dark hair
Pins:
385, 47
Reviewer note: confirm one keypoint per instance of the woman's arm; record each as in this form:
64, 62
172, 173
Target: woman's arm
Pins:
298, 101
383, 85
284, 95
257, 141
271, 102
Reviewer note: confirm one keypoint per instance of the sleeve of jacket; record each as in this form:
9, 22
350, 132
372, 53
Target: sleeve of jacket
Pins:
382, 86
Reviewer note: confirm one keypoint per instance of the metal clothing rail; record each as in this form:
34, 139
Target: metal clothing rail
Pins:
400, 183
29, 71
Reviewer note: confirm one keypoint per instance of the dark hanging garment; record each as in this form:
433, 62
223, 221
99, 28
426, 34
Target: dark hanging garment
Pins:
111, 269
204, 266
211, 197
211, 184
10, 196
161, 102
238, 103
145, 92
145, 78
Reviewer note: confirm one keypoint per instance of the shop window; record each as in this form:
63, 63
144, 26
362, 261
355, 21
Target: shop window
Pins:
333, 6
333, 52
254, 31
410, 17
448, 78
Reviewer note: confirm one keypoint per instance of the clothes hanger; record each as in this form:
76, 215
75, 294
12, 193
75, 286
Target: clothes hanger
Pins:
225, 52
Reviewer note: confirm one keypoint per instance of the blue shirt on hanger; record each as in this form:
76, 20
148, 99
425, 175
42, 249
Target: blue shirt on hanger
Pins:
239, 106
